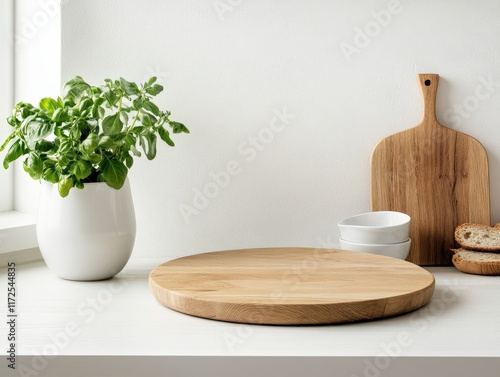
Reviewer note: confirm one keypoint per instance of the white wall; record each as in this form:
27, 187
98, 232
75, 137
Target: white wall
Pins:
229, 65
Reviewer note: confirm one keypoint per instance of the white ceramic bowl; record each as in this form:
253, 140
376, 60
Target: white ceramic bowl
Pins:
395, 250
379, 227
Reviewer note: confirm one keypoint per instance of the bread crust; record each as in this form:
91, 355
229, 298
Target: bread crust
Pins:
469, 266
464, 241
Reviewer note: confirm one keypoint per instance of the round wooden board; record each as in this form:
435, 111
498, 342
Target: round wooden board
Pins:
291, 286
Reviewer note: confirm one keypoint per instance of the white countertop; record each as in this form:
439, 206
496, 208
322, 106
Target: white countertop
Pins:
121, 317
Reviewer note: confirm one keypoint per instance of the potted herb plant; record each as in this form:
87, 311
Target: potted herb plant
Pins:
87, 139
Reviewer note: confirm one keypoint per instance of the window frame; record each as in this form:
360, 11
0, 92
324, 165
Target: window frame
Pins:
6, 96
18, 241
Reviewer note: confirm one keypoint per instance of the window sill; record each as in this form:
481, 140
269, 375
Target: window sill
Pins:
18, 241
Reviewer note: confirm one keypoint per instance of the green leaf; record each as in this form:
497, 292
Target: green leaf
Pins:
96, 91
33, 165
50, 174
63, 162
134, 150
111, 97
178, 127
26, 112
81, 169
129, 160
7, 141
148, 144
151, 81
130, 88
114, 173
64, 185
112, 124
75, 112
165, 136
98, 101
124, 117
85, 104
90, 143
75, 132
154, 90
35, 162
118, 139
94, 112
94, 158
50, 105
106, 142
38, 130
71, 155
102, 112
137, 104
74, 89
60, 115
44, 146
27, 169
58, 132
146, 121
26, 121
150, 106
130, 139
15, 151
139, 130
64, 147
13, 121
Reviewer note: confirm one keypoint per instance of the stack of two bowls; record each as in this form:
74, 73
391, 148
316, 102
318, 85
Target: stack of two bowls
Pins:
381, 232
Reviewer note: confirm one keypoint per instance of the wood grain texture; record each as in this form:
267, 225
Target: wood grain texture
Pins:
436, 175
291, 286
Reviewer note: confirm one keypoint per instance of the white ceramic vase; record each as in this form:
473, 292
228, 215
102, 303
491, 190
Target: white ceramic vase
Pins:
88, 235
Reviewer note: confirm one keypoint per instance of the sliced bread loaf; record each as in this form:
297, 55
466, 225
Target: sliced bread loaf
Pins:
478, 237
476, 262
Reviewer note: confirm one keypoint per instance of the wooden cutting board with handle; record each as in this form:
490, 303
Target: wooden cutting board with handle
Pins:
291, 286
436, 175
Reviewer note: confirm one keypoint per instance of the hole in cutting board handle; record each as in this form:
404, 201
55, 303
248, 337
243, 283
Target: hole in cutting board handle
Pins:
427, 82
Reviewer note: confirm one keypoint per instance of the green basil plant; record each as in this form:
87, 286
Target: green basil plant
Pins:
90, 133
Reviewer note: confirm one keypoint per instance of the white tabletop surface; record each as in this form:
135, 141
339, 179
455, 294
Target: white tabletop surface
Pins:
121, 317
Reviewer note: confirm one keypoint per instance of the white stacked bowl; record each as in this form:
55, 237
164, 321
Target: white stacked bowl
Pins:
380, 232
